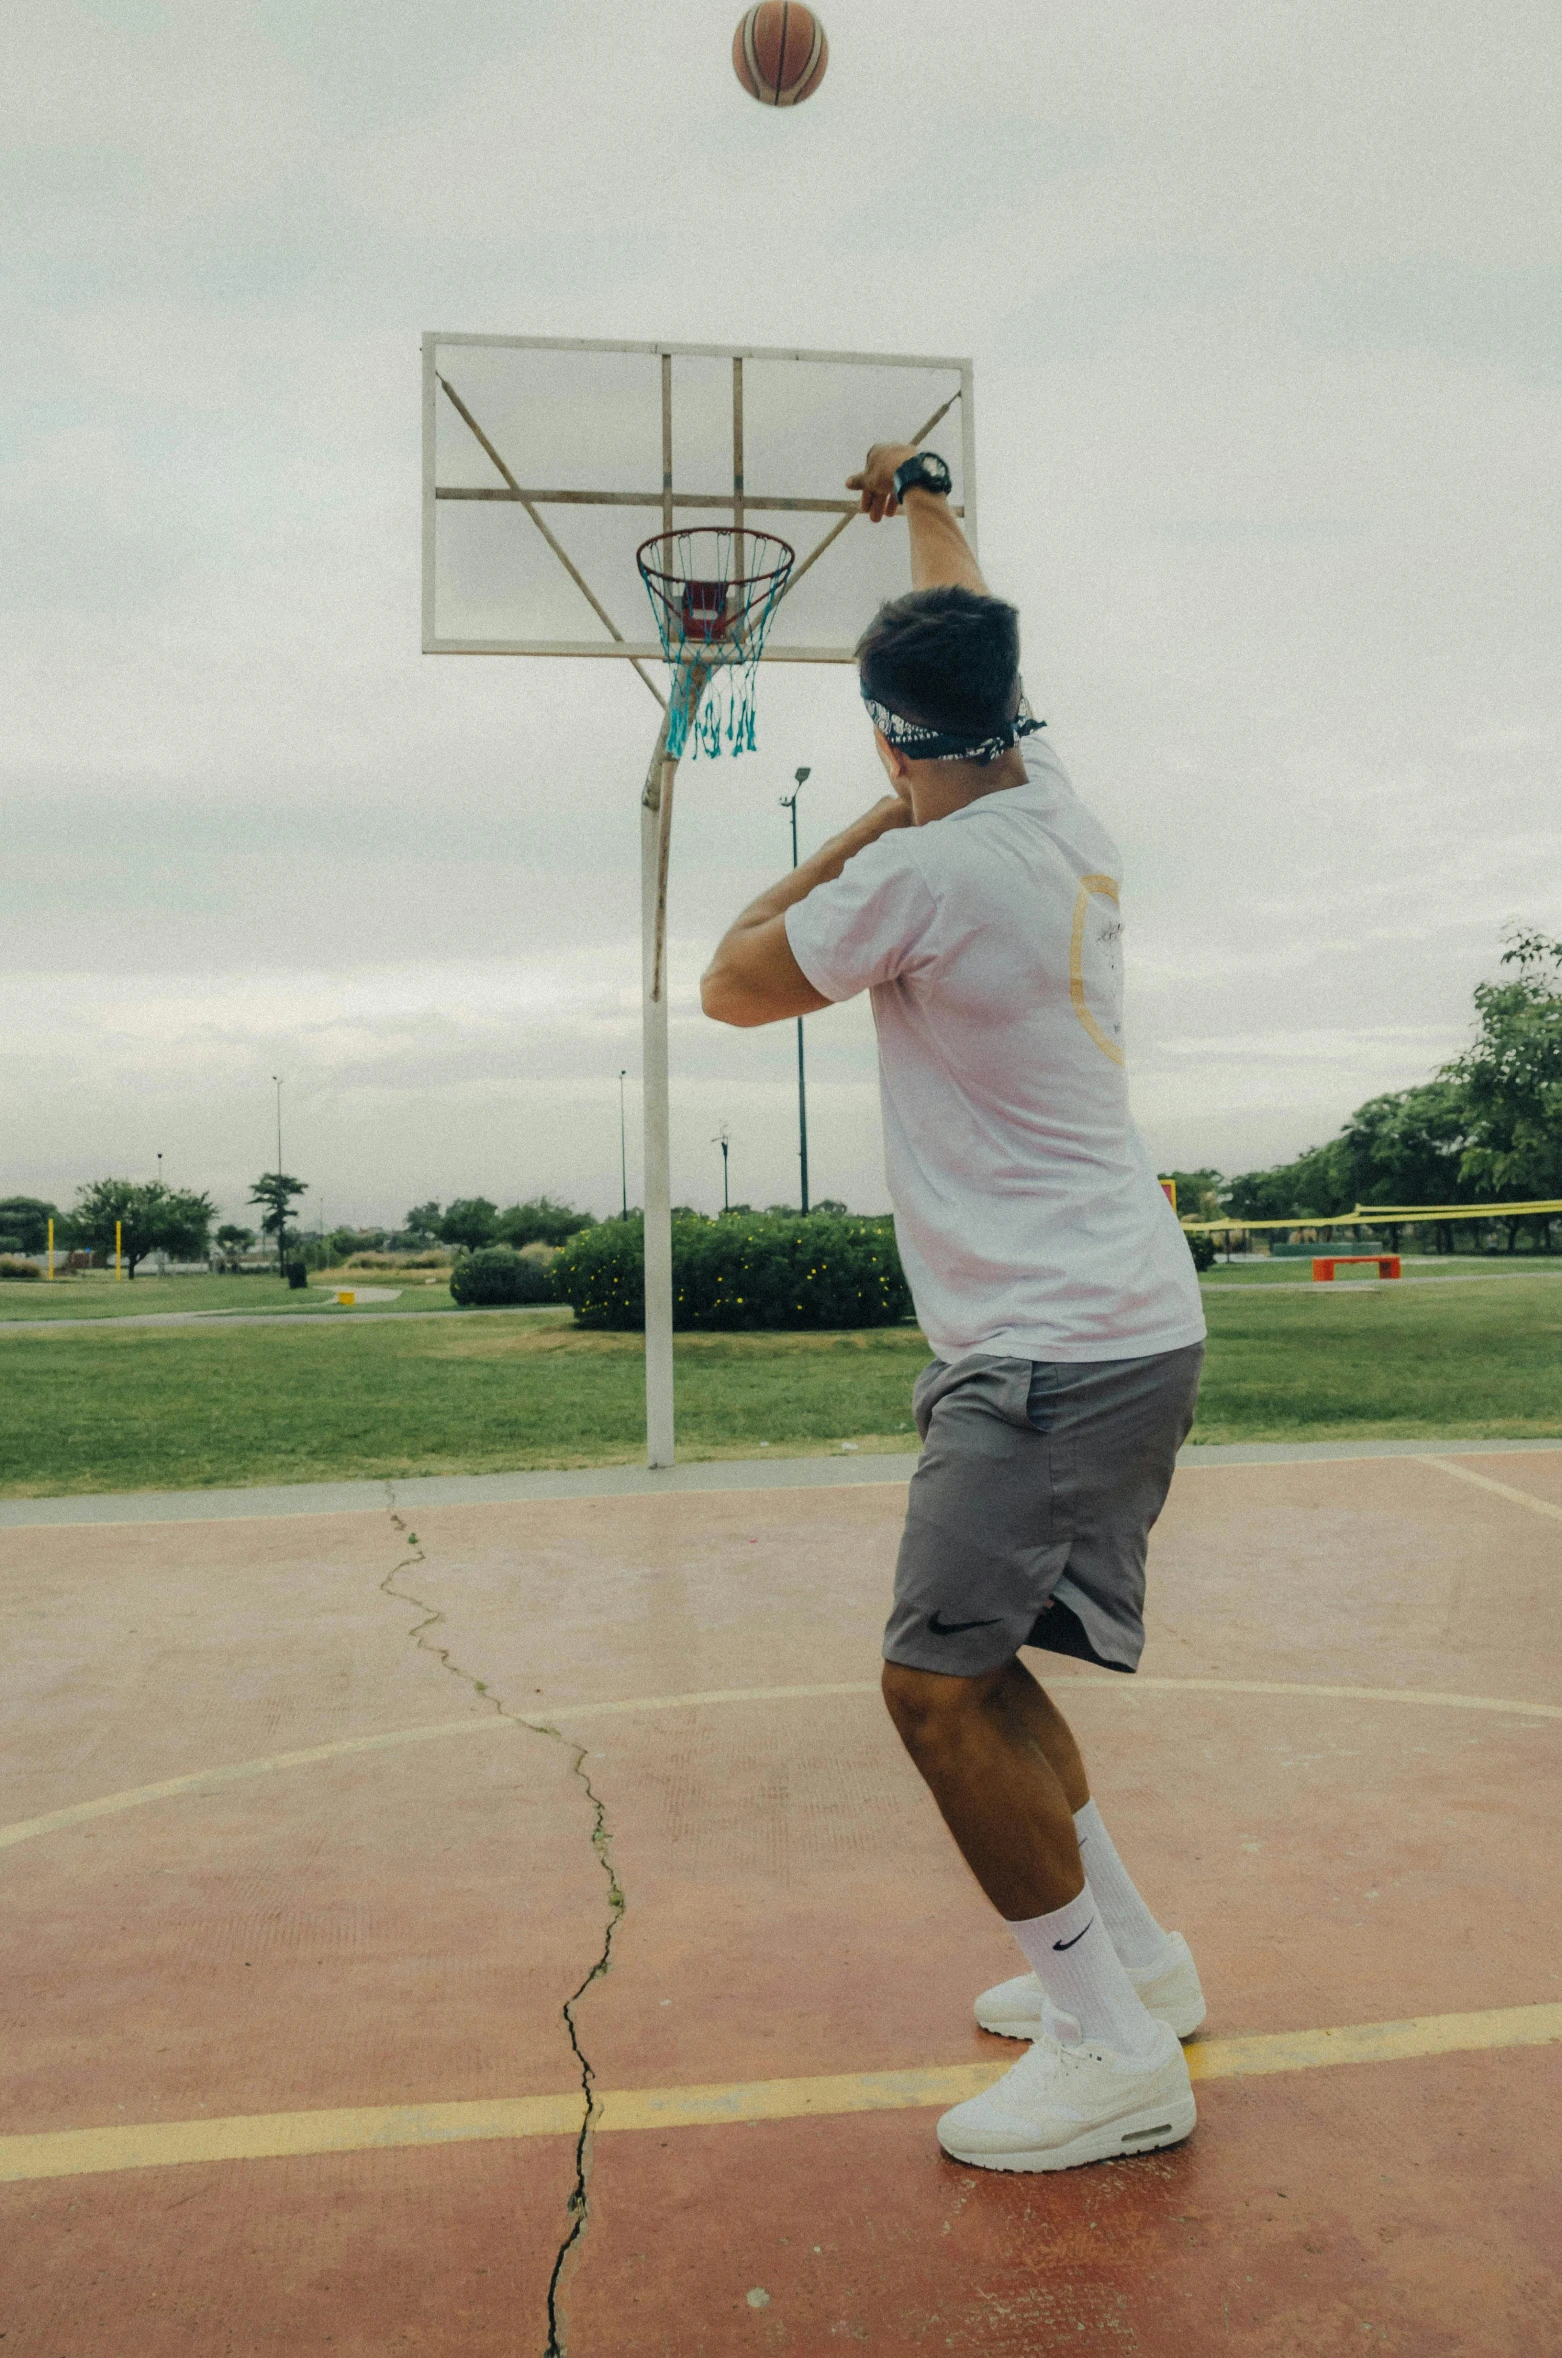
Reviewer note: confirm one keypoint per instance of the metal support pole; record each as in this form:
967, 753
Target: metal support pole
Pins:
655, 835
623, 1142
789, 803
656, 818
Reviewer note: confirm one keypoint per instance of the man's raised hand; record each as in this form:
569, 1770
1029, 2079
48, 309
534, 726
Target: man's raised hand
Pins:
876, 480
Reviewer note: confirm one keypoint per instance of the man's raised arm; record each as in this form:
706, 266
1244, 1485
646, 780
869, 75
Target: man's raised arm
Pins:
941, 555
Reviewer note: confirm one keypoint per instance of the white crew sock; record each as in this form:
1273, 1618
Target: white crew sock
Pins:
1071, 1954
1135, 1935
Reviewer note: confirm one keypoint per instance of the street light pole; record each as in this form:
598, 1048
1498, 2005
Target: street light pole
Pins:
623, 1143
723, 1140
789, 803
281, 1207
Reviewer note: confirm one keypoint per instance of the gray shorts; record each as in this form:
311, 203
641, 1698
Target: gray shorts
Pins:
1031, 1507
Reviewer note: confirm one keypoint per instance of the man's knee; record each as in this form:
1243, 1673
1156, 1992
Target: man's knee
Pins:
933, 1711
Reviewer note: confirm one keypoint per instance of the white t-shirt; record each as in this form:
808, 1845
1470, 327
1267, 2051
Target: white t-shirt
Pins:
1030, 1221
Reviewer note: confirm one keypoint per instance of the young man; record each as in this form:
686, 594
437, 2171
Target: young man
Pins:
977, 902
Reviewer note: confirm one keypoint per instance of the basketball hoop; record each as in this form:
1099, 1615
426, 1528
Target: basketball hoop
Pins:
713, 592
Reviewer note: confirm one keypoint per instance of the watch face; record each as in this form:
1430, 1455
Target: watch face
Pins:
928, 470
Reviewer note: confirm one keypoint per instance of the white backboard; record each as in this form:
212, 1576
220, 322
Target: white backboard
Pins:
546, 463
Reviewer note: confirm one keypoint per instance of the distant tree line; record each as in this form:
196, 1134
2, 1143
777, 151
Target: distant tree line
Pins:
1487, 1126
148, 1216
178, 1222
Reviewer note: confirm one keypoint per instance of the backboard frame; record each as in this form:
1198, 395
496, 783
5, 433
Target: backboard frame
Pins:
667, 500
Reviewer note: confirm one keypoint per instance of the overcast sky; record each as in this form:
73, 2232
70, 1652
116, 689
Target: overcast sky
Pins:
1265, 304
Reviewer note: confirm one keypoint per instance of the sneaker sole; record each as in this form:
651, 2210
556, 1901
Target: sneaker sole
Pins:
1184, 2021
1135, 2132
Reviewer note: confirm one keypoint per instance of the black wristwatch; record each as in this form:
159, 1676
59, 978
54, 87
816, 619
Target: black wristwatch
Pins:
923, 471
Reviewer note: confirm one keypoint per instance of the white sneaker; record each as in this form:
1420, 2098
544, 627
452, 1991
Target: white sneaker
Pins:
1168, 1989
1061, 2106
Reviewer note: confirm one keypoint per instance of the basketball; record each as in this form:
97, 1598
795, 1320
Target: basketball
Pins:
779, 53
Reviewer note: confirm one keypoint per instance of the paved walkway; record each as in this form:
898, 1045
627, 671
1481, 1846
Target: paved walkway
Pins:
328, 1305
417, 1492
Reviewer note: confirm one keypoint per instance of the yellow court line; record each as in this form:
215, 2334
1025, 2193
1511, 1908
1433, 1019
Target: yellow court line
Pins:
1524, 1498
69, 2153
240, 1771
235, 1772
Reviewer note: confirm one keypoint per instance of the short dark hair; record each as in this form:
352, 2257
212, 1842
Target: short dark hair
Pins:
948, 658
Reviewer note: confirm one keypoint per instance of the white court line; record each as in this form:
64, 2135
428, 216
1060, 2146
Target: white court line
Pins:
1524, 1498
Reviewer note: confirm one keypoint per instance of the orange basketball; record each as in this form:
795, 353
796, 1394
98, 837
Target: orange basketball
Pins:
779, 53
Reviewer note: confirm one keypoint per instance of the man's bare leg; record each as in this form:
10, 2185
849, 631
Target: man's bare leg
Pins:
1033, 1710
1000, 1762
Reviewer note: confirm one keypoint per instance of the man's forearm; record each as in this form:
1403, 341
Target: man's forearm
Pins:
941, 556
754, 977
822, 866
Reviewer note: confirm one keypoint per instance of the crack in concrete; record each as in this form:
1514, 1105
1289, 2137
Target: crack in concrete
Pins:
577, 2208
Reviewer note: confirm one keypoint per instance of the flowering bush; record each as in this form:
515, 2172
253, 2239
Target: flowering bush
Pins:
749, 1269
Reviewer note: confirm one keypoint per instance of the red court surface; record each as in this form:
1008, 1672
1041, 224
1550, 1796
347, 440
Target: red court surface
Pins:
294, 1903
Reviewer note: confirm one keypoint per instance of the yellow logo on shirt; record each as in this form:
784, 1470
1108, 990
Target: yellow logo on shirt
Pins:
1107, 943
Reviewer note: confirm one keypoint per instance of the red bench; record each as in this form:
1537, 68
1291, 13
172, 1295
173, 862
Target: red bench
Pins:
1323, 1270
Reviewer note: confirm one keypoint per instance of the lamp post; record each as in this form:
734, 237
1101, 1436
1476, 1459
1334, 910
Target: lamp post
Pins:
276, 1081
723, 1140
623, 1145
789, 803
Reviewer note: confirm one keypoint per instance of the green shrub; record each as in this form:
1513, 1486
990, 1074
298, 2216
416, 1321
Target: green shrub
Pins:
19, 1272
755, 1271
1203, 1250
495, 1274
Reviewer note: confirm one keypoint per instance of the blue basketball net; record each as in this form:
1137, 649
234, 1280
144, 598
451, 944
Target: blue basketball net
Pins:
713, 591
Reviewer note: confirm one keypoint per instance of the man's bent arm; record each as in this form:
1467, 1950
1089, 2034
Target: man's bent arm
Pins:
753, 977
941, 556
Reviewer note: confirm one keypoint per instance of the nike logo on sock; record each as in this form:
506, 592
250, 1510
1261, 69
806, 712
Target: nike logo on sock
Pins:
1074, 1943
942, 1628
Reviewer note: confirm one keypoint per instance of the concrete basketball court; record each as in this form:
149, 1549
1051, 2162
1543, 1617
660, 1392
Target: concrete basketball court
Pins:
317, 1822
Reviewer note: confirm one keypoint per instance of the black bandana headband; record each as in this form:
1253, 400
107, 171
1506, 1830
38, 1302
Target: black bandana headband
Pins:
923, 744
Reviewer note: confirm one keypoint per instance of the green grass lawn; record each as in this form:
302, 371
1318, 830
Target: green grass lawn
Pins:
102, 1296
189, 1407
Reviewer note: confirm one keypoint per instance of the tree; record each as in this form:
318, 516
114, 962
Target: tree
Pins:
471, 1221
234, 1242
277, 1192
24, 1223
1314, 1187
421, 1226
541, 1221
1511, 1076
1199, 1193
342, 1243
1407, 1148
151, 1218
